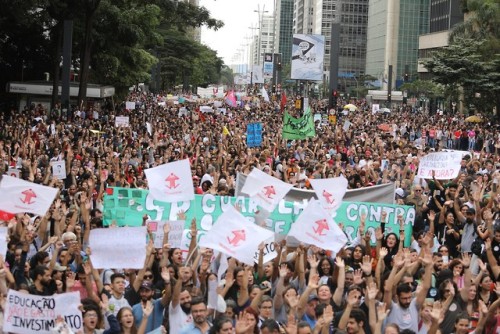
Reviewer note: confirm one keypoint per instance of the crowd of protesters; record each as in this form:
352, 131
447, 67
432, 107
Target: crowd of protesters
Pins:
447, 281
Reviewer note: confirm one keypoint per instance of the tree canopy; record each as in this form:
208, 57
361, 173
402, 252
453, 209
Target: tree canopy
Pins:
115, 42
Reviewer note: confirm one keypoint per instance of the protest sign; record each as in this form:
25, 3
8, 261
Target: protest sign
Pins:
118, 247
207, 208
346, 125
174, 236
269, 252
27, 314
130, 105
375, 108
121, 121
59, 169
298, 128
3, 240
254, 134
14, 172
444, 165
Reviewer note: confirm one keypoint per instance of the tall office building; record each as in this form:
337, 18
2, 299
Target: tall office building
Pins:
264, 40
444, 15
283, 29
394, 27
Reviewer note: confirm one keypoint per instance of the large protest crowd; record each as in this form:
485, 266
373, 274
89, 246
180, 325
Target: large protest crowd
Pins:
445, 279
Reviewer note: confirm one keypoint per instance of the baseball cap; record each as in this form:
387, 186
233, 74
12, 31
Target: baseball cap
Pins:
471, 210
147, 285
400, 192
312, 297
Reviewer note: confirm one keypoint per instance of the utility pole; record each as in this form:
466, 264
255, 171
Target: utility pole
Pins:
261, 14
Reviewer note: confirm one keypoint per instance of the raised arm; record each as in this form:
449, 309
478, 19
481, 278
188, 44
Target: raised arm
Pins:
339, 291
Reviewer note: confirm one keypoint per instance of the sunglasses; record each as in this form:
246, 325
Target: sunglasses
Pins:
148, 276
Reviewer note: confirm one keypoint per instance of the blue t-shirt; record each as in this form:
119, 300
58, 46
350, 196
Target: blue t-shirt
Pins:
155, 319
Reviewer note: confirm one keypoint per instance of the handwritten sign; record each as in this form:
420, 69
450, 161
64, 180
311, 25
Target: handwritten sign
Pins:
27, 314
118, 247
174, 236
59, 169
446, 165
121, 121
269, 252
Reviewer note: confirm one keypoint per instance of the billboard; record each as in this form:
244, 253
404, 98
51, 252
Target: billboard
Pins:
308, 53
268, 65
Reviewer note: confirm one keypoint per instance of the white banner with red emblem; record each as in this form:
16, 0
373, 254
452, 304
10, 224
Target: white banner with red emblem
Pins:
330, 192
316, 227
266, 190
17, 196
235, 236
171, 182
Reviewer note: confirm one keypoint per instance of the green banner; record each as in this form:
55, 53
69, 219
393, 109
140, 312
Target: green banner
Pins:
127, 206
298, 128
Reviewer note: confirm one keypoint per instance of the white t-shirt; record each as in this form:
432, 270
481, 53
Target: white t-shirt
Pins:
177, 318
118, 303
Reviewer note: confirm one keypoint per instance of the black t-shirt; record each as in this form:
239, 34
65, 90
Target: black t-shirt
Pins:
48, 290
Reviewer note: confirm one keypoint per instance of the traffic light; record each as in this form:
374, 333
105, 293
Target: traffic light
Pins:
279, 66
406, 77
335, 95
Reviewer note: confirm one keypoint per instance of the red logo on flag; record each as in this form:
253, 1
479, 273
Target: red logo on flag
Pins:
28, 195
328, 197
238, 236
322, 225
171, 181
269, 191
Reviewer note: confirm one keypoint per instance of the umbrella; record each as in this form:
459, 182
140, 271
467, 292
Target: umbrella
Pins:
474, 119
386, 110
351, 107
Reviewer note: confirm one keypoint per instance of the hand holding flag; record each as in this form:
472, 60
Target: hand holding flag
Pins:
171, 182
264, 189
330, 192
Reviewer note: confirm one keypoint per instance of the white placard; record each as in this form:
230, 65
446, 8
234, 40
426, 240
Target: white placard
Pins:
205, 109
59, 169
14, 172
317, 117
28, 314
174, 236
269, 252
3, 240
346, 125
119, 247
130, 105
217, 104
446, 165
121, 121
375, 108
149, 128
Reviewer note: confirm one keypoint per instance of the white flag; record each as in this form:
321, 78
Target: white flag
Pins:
264, 94
234, 235
265, 189
316, 227
330, 192
18, 196
171, 182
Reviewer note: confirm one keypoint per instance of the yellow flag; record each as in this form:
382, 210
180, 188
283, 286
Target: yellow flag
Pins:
225, 131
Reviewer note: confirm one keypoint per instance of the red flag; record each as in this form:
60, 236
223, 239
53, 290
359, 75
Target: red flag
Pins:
283, 101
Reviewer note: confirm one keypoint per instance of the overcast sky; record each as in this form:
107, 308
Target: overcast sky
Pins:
238, 16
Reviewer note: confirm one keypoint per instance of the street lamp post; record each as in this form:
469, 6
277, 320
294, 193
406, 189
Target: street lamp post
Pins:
261, 14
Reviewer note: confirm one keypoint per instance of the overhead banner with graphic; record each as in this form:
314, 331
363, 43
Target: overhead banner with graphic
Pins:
307, 57
128, 206
268, 65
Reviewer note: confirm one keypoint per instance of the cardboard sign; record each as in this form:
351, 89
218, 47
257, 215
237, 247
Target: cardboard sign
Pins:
28, 314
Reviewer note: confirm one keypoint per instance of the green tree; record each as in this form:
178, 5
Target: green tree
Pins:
463, 66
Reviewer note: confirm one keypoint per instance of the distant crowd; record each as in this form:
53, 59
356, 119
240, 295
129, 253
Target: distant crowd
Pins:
447, 281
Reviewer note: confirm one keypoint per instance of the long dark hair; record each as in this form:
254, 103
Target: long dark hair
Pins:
218, 323
133, 330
